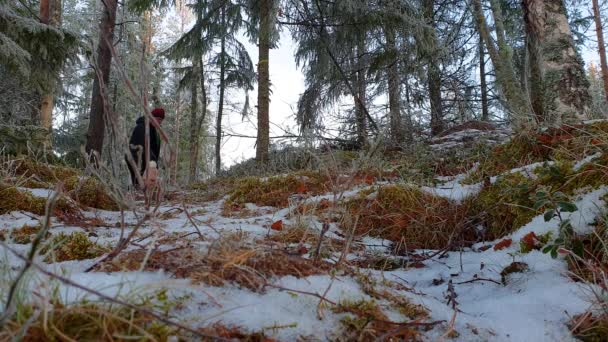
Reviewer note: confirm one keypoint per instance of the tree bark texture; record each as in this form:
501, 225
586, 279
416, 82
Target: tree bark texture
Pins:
433, 69
360, 106
193, 118
485, 115
263, 138
220, 108
558, 85
50, 14
96, 130
394, 90
600, 44
514, 98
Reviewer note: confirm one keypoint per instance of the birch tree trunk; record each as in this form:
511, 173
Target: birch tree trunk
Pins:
559, 89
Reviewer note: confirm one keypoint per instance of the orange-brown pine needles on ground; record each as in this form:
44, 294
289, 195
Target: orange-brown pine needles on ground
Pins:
246, 266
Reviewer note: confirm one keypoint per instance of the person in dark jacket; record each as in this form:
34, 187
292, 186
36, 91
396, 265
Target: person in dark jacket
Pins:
137, 143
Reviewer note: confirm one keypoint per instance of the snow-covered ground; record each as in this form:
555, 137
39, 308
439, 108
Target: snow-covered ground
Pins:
530, 306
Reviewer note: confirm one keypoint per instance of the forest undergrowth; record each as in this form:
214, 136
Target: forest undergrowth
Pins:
360, 216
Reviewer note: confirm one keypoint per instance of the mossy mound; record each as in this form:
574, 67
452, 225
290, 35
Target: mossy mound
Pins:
566, 143
87, 191
275, 191
521, 150
42, 174
508, 204
12, 199
505, 205
90, 192
410, 216
75, 246
211, 190
87, 322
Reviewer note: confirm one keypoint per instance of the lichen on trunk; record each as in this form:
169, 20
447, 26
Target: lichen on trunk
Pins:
558, 86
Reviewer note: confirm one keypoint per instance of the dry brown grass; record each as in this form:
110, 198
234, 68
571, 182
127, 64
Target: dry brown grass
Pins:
589, 327
225, 262
409, 216
275, 191
22, 235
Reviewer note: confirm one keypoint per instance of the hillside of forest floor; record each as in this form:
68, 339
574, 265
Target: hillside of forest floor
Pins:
480, 236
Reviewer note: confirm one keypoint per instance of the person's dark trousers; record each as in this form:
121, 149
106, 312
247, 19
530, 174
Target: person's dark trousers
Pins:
135, 156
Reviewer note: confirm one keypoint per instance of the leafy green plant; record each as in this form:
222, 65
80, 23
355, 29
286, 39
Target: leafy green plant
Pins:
555, 204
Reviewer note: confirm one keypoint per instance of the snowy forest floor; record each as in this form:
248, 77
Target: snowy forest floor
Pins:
324, 262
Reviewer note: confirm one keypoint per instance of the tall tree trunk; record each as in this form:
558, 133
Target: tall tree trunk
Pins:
97, 127
485, 115
220, 108
600, 45
50, 14
558, 85
361, 104
433, 71
201, 120
515, 99
193, 119
408, 110
394, 91
263, 138
178, 108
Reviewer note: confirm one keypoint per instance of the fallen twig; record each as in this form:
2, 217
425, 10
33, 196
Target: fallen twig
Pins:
194, 223
478, 279
122, 244
314, 294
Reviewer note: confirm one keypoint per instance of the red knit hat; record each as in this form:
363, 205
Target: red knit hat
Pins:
158, 113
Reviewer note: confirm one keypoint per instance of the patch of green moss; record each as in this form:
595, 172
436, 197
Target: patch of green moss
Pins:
592, 175
521, 150
88, 322
75, 246
90, 192
365, 311
12, 199
43, 173
505, 205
